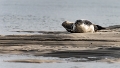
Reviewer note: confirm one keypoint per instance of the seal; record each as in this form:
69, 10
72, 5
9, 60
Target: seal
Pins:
81, 26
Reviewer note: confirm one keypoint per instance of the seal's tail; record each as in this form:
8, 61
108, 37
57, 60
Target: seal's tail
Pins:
100, 27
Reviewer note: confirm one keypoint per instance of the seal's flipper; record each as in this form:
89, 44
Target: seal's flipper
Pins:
98, 27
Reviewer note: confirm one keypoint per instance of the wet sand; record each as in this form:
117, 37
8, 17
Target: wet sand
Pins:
91, 46
34, 61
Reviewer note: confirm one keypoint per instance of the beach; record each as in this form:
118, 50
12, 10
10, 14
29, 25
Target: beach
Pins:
99, 45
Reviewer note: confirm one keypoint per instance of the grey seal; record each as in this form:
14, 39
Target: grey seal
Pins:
81, 26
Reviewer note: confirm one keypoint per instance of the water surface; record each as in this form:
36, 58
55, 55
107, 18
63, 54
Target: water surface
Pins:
47, 15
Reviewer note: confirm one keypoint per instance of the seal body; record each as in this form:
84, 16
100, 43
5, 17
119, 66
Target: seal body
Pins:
81, 26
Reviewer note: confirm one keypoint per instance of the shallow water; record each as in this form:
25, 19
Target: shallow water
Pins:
47, 15
65, 64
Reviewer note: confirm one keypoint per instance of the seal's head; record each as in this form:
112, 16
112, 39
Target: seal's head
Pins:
68, 26
83, 26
